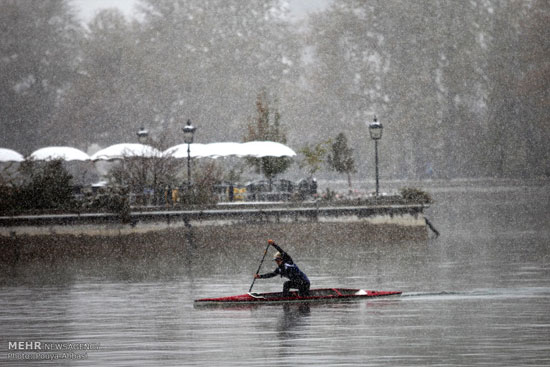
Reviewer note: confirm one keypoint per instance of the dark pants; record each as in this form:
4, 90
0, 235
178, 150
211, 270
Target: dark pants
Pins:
302, 287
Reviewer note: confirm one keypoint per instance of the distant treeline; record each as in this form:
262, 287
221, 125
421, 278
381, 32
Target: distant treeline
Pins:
461, 87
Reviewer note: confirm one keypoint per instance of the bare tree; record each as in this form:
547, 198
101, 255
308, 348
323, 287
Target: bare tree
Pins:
340, 157
266, 126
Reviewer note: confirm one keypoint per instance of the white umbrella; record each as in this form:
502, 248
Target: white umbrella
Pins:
180, 151
267, 149
65, 153
215, 150
120, 151
8, 155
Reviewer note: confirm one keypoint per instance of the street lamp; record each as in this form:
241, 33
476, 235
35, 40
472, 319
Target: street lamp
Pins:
188, 133
142, 135
375, 130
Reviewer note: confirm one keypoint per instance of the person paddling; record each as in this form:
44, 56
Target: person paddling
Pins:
286, 268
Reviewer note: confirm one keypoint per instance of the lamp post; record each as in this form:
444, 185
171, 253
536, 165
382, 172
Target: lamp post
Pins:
375, 130
143, 135
188, 134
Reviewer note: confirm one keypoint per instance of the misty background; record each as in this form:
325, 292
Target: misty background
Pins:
461, 87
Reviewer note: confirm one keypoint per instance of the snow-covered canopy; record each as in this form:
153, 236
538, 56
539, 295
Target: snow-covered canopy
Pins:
66, 153
215, 150
120, 151
8, 155
267, 149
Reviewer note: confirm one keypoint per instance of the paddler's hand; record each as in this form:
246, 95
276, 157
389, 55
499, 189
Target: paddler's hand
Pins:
256, 276
270, 242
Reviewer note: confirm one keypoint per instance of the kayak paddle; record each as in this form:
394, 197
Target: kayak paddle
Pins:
259, 267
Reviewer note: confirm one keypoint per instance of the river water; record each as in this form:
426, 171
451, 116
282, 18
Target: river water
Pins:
479, 294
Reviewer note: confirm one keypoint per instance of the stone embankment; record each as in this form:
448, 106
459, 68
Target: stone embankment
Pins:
24, 238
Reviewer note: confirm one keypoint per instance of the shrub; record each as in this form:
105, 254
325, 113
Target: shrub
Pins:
112, 199
43, 185
415, 195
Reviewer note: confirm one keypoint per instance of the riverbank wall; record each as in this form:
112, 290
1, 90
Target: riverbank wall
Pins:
173, 232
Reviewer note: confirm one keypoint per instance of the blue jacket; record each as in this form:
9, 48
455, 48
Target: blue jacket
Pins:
287, 269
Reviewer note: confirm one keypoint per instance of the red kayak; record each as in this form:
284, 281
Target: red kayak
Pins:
315, 295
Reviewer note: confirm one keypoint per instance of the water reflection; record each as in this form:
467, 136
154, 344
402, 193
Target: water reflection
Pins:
292, 319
